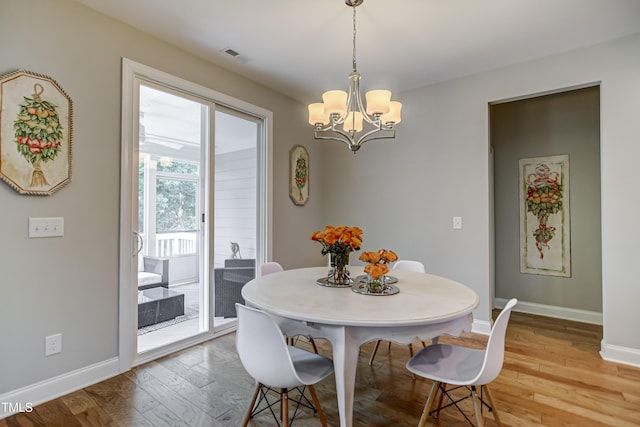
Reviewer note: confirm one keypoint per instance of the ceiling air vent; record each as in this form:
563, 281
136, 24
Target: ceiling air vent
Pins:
230, 51
235, 55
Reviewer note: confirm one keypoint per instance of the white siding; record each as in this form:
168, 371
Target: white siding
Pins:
235, 207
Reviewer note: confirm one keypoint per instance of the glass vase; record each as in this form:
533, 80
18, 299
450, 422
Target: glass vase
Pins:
338, 274
375, 285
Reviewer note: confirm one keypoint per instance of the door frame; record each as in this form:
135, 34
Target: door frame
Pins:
131, 71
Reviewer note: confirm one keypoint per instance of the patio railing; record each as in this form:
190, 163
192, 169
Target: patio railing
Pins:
173, 244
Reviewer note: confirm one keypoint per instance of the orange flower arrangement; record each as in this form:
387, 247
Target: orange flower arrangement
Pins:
338, 240
377, 262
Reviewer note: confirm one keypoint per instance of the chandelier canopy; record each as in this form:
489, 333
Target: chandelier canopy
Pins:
342, 115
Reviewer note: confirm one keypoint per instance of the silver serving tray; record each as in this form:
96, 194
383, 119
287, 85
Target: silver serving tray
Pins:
361, 288
323, 281
387, 279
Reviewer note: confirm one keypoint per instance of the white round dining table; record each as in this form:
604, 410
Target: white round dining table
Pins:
425, 307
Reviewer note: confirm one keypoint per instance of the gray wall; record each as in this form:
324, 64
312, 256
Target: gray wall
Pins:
70, 284
563, 123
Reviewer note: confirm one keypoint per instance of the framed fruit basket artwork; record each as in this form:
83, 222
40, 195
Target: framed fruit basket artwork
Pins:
545, 246
299, 175
35, 133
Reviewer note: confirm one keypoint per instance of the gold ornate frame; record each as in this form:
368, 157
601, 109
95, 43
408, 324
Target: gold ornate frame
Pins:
36, 129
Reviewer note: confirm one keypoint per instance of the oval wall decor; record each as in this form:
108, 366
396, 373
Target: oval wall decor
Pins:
35, 133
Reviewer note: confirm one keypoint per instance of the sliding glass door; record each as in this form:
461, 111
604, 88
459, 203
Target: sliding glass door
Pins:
173, 141
236, 178
195, 210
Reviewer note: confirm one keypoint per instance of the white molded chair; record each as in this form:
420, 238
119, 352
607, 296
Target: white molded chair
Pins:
277, 366
463, 367
407, 265
274, 267
270, 267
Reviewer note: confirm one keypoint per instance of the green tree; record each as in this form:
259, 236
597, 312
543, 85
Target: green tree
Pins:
176, 198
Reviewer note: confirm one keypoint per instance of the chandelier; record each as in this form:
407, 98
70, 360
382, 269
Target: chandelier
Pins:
342, 115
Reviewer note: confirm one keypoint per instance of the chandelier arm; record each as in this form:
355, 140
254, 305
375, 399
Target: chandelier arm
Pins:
379, 127
352, 96
338, 121
354, 101
375, 122
345, 139
365, 138
359, 104
346, 136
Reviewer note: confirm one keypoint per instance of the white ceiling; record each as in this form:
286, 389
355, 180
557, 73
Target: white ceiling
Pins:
303, 47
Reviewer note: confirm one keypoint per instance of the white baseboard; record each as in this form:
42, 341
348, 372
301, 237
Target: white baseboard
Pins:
481, 327
617, 354
583, 316
43, 391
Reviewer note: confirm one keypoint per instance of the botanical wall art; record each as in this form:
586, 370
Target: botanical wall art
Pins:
35, 133
299, 175
545, 216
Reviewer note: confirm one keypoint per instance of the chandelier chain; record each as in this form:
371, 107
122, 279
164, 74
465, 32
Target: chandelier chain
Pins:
354, 39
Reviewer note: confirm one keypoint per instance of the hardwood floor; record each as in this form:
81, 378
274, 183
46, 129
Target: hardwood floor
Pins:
552, 376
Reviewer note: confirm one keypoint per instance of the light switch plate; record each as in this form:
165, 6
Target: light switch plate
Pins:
46, 227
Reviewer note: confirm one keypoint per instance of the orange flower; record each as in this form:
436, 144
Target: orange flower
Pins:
376, 270
389, 256
351, 237
317, 236
370, 257
367, 268
377, 262
340, 239
330, 238
355, 241
339, 230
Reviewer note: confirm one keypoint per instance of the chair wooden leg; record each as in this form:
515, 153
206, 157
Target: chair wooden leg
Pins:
313, 344
494, 409
251, 405
285, 415
316, 402
373, 354
476, 406
429, 404
444, 387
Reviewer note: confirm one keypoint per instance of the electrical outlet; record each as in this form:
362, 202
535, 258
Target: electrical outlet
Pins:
457, 222
53, 344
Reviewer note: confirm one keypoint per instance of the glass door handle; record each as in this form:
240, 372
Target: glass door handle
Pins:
140, 243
